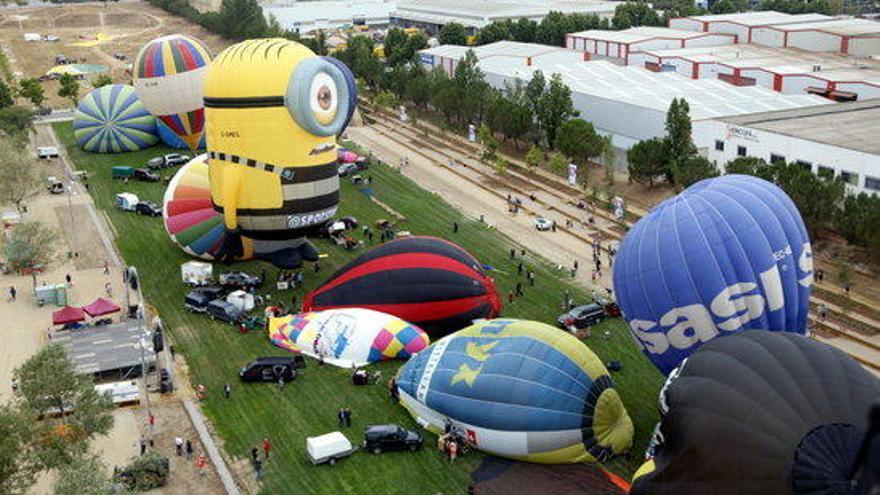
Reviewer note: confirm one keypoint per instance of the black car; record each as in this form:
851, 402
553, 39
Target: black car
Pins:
222, 310
269, 369
198, 299
582, 316
148, 208
239, 280
145, 175
379, 438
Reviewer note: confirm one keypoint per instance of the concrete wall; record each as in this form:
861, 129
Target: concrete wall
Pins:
686, 24
768, 37
814, 41
761, 144
741, 32
864, 46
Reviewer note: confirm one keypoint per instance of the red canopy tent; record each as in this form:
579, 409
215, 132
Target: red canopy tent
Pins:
67, 314
101, 306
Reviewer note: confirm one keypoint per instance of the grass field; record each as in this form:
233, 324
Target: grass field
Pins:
214, 352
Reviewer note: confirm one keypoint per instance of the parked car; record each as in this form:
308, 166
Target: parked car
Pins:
54, 186
582, 316
346, 169
239, 280
51, 38
156, 163
127, 201
219, 309
379, 438
612, 310
148, 208
175, 159
269, 369
45, 152
197, 300
542, 223
145, 175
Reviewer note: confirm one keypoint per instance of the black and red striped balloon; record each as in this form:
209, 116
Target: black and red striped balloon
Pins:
430, 282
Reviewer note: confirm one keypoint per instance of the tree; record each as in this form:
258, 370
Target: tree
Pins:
558, 164
487, 139
453, 33
69, 88
5, 95
471, 88
49, 385
30, 245
679, 143
523, 30
534, 156
386, 99
241, 19
395, 40
19, 179
31, 89
86, 475
693, 170
359, 57
501, 165
608, 159
16, 121
635, 13
845, 275
729, 6
496, 31
18, 463
818, 199
419, 86
102, 80
858, 221
577, 139
554, 108
509, 112
646, 161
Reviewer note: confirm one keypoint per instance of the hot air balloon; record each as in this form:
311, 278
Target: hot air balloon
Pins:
274, 109
760, 413
190, 218
518, 389
171, 139
728, 254
168, 76
111, 119
427, 281
348, 337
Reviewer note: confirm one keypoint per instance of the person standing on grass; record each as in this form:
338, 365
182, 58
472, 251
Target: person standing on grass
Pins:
189, 450
341, 416
266, 447
510, 297
281, 383
519, 291
454, 227
258, 469
12, 293
227, 390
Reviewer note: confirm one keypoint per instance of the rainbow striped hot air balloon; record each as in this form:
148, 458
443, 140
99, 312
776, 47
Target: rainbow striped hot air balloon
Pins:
190, 218
111, 119
168, 75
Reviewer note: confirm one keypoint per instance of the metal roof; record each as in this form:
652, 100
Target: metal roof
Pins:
329, 14
708, 98
642, 33
762, 18
844, 27
105, 348
479, 13
852, 126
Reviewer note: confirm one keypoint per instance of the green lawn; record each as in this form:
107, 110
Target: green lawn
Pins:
214, 352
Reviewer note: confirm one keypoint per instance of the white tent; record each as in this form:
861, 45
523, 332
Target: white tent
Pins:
196, 272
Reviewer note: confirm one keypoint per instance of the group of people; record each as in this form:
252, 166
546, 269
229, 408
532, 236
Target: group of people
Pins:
521, 269
257, 461
450, 444
344, 417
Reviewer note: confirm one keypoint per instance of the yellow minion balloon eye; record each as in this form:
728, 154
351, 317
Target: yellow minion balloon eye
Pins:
318, 97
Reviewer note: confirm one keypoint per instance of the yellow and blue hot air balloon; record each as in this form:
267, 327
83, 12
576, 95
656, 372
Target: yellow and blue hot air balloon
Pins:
274, 109
111, 119
168, 75
519, 389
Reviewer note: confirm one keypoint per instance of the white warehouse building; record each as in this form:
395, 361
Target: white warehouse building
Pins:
620, 44
859, 37
742, 24
838, 140
627, 103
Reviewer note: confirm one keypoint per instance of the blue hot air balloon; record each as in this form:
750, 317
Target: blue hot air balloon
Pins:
728, 254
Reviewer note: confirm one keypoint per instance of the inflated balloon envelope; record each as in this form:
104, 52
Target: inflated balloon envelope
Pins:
728, 254
518, 389
760, 413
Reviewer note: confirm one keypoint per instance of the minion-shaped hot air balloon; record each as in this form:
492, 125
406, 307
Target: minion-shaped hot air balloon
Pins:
273, 110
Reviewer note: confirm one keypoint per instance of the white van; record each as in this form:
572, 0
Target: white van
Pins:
328, 448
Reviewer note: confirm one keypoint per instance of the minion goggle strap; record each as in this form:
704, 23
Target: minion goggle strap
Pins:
288, 174
317, 98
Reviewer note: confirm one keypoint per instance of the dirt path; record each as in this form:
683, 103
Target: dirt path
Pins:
559, 247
